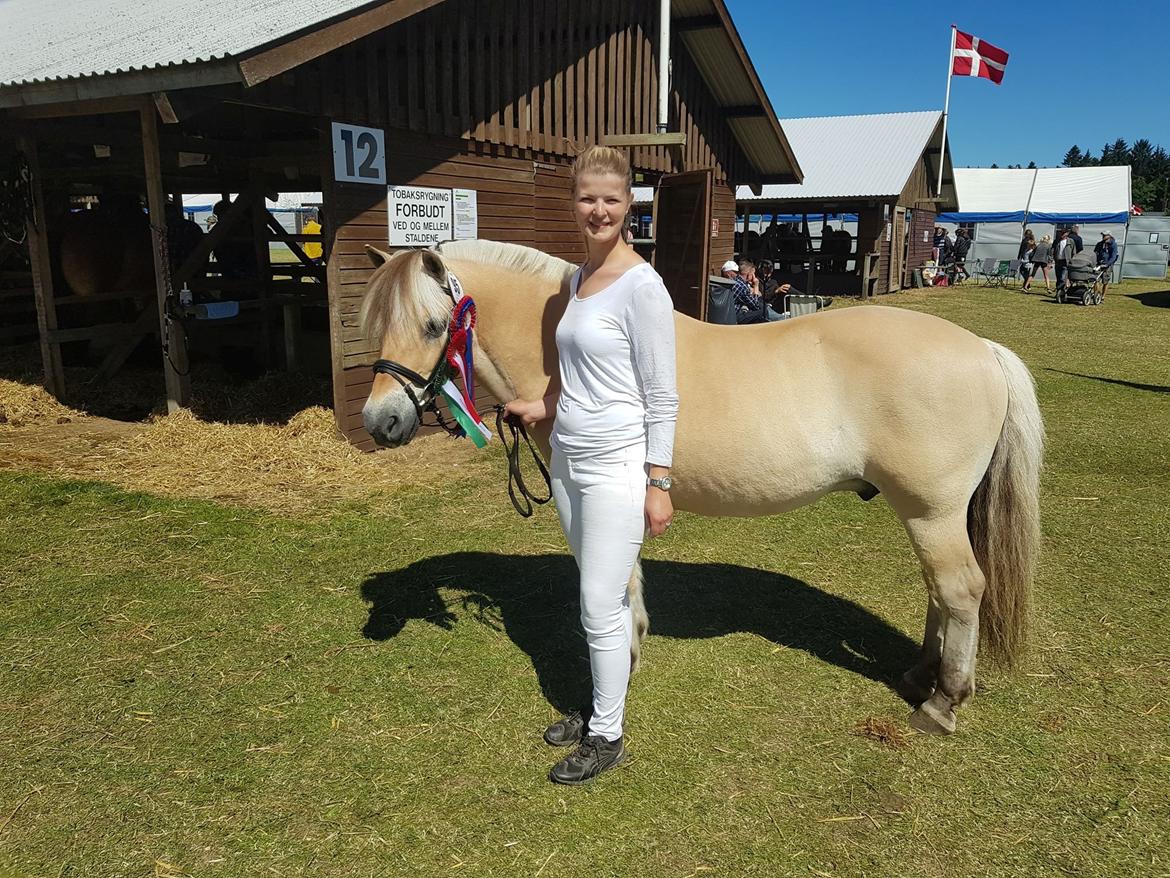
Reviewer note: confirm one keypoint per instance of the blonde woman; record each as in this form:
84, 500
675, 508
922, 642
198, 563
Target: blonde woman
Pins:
612, 441
1041, 259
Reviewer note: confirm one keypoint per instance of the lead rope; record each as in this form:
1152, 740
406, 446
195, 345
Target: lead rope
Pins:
515, 476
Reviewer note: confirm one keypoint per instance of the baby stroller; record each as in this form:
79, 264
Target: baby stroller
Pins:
1085, 283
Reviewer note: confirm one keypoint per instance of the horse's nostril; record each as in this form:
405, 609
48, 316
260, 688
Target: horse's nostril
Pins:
391, 423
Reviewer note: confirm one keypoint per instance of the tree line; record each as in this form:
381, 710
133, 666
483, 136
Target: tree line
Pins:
1150, 169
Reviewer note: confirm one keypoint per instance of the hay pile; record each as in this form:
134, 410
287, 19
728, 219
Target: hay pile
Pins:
24, 404
298, 467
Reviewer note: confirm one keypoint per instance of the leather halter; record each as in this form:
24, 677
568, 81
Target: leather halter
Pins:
410, 379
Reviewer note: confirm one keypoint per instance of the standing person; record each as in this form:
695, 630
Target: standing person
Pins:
844, 242
1075, 234
936, 245
1041, 257
1027, 248
312, 249
959, 256
1106, 253
1065, 249
612, 442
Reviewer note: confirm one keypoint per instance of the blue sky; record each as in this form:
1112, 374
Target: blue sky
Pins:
838, 57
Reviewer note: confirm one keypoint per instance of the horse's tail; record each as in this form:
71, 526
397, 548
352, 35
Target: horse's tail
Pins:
1003, 518
641, 617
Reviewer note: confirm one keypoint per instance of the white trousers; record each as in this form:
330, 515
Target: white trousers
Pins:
601, 504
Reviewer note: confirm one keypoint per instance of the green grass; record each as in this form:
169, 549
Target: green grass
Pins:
195, 689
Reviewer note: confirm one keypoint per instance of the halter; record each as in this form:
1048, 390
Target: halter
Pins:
455, 361
409, 379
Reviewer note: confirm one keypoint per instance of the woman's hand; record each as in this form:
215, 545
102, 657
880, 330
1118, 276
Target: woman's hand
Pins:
529, 411
659, 511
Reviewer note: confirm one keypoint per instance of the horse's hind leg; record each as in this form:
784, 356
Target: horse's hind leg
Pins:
956, 584
640, 616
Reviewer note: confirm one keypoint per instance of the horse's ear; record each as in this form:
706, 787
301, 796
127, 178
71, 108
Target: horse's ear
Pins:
433, 265
377, 256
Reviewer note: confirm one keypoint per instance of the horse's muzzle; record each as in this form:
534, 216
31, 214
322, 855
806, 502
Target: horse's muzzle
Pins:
391, 421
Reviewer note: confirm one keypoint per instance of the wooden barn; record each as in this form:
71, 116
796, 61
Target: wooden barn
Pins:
874, 177
477, 106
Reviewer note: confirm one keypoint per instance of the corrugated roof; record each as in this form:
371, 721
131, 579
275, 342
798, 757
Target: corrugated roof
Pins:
1051, 190
65, 39
853, 156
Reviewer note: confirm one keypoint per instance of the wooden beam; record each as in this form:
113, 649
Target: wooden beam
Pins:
174, 341
144, 324
696, 22
750, 111
218, 232
113, 85
670, 138
79, 108
165, 111
292, 241
42, 274
285, 56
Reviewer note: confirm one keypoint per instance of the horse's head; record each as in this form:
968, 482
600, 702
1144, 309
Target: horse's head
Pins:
407, 310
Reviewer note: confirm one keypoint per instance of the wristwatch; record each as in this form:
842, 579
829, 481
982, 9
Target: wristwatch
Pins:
663, 483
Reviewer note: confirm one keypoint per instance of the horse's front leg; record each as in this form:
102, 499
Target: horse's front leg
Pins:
918, 683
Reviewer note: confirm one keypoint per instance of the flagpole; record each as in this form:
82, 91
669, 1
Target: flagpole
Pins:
942, 158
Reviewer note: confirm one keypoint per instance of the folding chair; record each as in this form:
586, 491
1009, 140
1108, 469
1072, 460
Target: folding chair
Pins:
985, 271
1013, 271
799, 304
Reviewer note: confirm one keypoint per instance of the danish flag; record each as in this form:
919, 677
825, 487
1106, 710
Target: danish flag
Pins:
976, 57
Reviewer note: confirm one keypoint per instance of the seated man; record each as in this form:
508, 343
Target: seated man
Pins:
749, 301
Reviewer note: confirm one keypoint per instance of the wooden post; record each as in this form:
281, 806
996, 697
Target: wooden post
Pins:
42, 274
174, 341
292, 333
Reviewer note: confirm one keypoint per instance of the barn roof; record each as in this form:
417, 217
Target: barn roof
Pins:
53, 51
1100, 194
847, 157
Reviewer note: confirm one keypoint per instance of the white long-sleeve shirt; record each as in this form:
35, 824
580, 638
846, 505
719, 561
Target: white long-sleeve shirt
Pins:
617, 359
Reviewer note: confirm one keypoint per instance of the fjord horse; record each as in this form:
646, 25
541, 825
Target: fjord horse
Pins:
941, 422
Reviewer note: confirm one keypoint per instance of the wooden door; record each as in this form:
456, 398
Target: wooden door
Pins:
897, 249
682, 239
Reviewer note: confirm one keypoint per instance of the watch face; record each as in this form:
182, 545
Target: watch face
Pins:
664, 483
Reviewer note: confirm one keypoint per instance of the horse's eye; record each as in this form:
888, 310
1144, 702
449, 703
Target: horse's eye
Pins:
434, 329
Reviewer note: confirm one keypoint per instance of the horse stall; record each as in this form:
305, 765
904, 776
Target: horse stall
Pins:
860, 223
417, 122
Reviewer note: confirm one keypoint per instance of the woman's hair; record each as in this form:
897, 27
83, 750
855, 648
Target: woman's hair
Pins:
1028, 236
602, 160
1047, 239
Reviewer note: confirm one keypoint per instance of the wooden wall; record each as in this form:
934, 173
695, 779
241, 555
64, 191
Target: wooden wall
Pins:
722, 209
540, 75
919, 250
497, 96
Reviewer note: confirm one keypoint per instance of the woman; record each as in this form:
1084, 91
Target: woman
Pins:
938, 245
1027, 247
612, 442
1041, 258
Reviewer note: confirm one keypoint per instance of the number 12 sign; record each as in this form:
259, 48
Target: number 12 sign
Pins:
359, 154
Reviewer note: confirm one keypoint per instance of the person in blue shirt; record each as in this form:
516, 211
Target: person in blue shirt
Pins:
750, 306
1106, 253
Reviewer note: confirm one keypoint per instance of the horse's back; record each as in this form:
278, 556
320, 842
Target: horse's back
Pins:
775, 415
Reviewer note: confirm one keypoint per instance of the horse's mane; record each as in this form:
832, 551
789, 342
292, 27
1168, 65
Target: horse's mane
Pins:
523, 259
402, 293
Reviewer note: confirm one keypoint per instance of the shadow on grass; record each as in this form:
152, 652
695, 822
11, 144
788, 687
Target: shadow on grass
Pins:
534, 600
1159, 299
1152, 388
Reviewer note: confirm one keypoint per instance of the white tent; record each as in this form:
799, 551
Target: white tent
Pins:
997, 204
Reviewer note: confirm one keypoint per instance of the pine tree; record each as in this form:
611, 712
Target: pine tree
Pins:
1031, 166
1141, 158
1073, 158
994, 165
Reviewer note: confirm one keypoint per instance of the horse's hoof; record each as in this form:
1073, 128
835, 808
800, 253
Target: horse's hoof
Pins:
914, 691
928, 720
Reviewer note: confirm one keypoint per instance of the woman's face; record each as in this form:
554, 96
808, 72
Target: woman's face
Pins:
601, 202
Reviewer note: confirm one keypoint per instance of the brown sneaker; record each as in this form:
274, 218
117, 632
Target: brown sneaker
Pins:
594, 756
